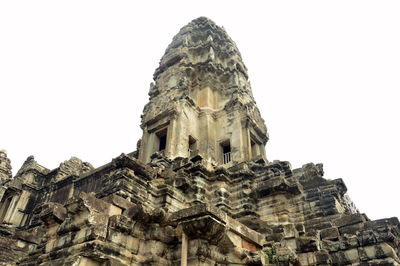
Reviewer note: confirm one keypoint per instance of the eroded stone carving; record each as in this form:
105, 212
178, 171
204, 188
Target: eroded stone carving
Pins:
5, 166
73, 167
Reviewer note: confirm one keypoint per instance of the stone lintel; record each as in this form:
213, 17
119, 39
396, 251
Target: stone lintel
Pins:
170, 112
215, 215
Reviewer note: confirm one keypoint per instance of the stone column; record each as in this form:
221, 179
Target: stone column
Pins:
207, 139
237, 145
170, 149
247, 141
179, 133
184, 251
11, 209
143, 152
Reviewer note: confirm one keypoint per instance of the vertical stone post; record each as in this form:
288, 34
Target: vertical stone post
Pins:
171, 136
247, 141
184, 251
144, 147
11, 209
178, 136
237, 144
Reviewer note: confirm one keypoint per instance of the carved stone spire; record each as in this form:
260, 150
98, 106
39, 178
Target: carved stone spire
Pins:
5, 166
201, 102
202, 46
30, 165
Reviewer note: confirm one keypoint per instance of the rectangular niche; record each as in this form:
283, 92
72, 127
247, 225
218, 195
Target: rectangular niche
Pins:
256, 146
192, 147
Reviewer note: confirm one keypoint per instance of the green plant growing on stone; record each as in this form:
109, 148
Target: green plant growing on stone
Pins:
270, 254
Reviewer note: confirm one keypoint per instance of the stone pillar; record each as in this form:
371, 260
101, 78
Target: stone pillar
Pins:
11, 209
207, 140
143, 151
237, 145
263, 152
247, 142
170, 149
184, 251
178, 137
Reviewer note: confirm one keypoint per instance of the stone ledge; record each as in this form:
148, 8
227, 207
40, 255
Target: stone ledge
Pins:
203, 211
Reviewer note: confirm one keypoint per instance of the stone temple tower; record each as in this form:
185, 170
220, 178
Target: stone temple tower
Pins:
201, 102
198, 191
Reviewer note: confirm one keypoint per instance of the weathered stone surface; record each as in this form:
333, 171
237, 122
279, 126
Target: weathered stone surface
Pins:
5, 166
199, 190
330, 233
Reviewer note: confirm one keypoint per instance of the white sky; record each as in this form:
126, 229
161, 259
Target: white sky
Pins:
74, 77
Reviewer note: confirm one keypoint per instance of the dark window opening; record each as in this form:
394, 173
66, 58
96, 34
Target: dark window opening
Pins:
226, 151
163, 143
162, 139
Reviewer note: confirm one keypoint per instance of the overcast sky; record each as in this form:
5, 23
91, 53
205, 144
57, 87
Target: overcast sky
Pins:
74, 77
